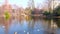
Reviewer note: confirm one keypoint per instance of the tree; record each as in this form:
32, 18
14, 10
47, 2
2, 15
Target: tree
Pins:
57, 11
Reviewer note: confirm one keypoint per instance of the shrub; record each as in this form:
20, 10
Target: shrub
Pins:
7, 15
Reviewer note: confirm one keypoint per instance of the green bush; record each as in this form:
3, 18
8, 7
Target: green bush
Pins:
46, 13
7, 15
57, 11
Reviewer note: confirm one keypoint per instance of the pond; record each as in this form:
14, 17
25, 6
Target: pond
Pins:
33, 26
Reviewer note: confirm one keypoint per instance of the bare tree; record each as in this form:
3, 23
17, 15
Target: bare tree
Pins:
31, 4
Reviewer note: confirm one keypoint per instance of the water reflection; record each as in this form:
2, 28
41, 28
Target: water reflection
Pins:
32, 26
57, 21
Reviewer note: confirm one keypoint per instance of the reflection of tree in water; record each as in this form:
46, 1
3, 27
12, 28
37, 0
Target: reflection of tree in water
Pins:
5, 23
32, 23
48, 30
57, 22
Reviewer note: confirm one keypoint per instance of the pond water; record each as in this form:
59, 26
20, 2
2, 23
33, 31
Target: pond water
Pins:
33, 26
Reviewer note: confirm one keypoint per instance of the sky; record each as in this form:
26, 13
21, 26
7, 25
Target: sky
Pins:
23, 3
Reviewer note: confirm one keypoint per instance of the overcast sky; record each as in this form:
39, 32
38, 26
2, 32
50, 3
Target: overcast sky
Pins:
23, 3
